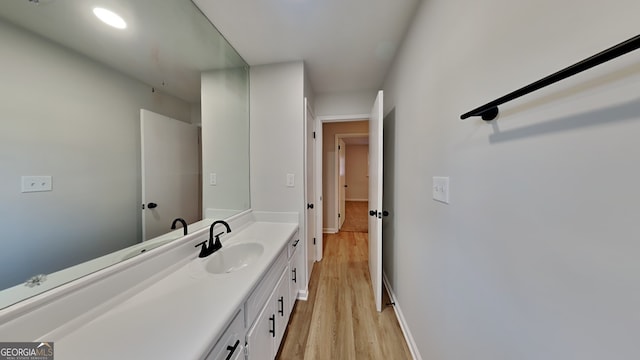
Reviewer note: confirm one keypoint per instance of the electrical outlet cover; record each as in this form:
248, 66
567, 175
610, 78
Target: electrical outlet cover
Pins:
36, 184
441, 189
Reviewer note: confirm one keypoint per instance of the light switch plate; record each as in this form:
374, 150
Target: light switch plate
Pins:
441, 189
213, 179
36, 183
291, 182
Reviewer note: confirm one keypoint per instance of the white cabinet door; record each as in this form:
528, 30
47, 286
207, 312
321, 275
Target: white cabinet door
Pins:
260, 345
264, 337
231, 343
281, 303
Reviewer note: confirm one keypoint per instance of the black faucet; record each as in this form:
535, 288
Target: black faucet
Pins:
212, 247
184, 225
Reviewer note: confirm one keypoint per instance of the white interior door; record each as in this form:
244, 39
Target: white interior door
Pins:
319, 205
342, 181
310, 190
375, 199
170, 173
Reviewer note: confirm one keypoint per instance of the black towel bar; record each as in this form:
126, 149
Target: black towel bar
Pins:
489, 111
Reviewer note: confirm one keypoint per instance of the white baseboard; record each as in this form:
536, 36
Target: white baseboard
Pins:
303, 295
361, 200
413, 348
330, 230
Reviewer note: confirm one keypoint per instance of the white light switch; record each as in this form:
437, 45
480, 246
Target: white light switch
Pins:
213, 179
291, 180
36, 183
441, 189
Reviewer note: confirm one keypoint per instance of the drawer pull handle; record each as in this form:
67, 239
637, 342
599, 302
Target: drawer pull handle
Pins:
281, 301
272, 318
232, 349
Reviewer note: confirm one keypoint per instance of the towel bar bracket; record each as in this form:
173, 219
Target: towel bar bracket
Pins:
489, 114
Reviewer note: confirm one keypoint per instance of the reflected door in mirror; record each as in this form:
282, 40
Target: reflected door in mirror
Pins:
170, 172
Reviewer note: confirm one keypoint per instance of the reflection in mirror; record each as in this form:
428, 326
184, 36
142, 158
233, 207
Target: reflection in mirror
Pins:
225, 141
71, 100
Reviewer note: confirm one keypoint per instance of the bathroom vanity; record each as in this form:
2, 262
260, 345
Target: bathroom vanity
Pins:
170, 304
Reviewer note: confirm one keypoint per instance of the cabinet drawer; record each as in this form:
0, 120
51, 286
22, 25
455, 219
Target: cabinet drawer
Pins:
294, 278
294, 243
265, 287
231, 343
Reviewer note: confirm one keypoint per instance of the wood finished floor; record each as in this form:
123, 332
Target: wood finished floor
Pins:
356, 217
339, 320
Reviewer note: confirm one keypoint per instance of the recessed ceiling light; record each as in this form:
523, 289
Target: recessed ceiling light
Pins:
110, 18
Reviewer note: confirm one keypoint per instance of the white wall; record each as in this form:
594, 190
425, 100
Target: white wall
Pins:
536, 257
277, 137
225, 144
66, 116
357, 172
308, 91
345, 103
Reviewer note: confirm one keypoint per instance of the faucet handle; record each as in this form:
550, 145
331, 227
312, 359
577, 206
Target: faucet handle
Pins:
203, 249
217, 245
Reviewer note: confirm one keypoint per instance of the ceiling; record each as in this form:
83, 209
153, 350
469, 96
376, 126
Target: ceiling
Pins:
347, 45
167, 44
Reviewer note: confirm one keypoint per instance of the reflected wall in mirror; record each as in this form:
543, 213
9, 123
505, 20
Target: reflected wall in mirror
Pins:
70, 102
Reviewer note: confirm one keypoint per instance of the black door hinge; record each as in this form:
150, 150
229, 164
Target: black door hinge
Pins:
339, 215
314, 241
314, 134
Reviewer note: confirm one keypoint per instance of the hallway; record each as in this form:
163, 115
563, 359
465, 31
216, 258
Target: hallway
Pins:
356, 216
339, 320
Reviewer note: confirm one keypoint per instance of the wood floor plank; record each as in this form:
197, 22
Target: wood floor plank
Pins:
356, 216
339, 319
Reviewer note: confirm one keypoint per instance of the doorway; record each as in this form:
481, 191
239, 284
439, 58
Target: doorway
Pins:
327, 153
353, 181
332, 188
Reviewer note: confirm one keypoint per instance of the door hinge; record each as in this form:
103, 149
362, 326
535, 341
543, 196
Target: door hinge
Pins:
314, 134
314, 241
339, 147
339, 215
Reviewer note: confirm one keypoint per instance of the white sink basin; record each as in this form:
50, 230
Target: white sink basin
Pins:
233, 258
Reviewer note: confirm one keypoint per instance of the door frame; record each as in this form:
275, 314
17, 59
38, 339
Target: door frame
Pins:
339, 137
321, 120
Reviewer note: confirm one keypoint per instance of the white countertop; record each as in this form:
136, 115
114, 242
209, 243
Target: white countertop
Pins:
181, 315
20, 292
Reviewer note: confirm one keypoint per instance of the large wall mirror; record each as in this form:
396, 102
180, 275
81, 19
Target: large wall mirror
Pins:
82, 105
